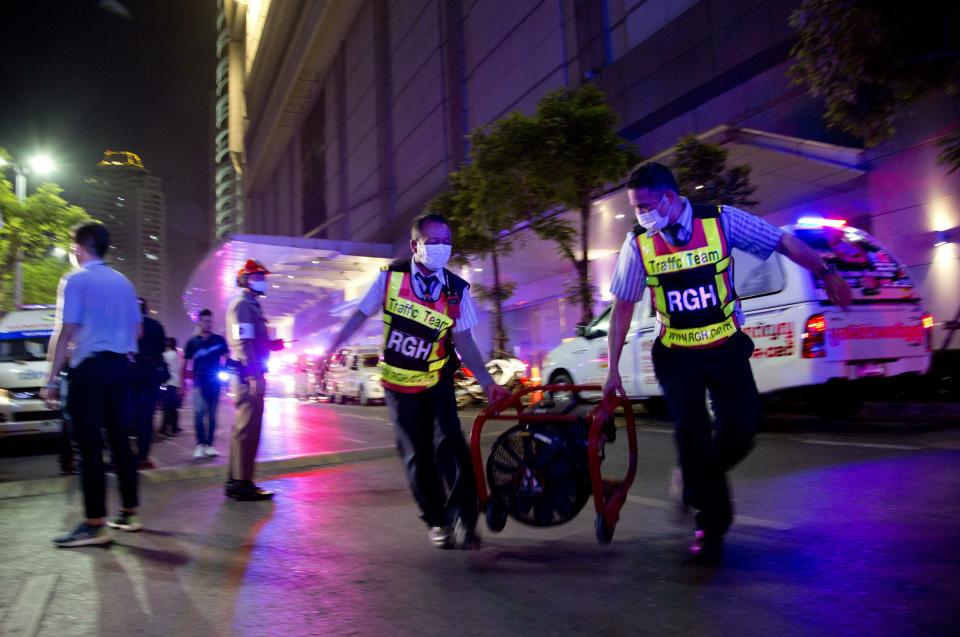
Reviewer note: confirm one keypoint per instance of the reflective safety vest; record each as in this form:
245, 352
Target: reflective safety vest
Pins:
417, 336
691, 285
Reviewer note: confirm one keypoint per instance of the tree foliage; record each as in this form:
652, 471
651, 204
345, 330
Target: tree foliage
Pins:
481, 229
577, 152
871, 59
32, 229
702, 173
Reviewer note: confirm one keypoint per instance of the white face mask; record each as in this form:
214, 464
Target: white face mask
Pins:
433, 256
258, 286
652, 220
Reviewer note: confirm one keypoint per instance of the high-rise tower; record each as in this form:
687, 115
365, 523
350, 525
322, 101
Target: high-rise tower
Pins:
130, 202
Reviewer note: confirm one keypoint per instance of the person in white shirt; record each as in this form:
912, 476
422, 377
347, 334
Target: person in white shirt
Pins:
172, 394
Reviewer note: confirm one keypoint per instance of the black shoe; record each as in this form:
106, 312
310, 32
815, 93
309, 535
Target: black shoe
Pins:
706, 548
246, 491
464, 537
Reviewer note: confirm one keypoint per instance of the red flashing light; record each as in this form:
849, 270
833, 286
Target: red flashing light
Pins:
814, 345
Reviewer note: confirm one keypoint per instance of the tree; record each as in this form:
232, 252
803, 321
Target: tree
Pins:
32, 229
576, 152
702, 173
480, 230
871, 59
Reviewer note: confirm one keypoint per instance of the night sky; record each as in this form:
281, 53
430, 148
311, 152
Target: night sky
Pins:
79, 78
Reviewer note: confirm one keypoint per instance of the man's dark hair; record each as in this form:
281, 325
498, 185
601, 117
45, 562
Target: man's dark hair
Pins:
144, 308
203, 313
653, 176
171, 342
94, 238
416, 228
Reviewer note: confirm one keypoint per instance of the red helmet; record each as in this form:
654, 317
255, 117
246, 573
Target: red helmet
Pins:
252, 267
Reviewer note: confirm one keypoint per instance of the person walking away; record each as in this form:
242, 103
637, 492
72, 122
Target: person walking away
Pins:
427, 312
172, 390
97, 316
250, 346
150, 372
205, 354
682, 252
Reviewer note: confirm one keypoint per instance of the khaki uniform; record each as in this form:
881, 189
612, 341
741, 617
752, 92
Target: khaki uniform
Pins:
250, 345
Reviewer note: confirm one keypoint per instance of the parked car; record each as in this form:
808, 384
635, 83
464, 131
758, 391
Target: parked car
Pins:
354, 374
801, 339
24, 338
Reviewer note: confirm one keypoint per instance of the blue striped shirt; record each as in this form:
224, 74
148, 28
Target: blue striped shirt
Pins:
743, 230
372, 301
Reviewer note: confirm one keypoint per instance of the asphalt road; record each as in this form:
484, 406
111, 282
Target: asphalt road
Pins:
838, 533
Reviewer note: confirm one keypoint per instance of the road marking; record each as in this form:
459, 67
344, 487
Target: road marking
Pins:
740, 519
378, 419
353, 439
866, 445
655, 430
23, 619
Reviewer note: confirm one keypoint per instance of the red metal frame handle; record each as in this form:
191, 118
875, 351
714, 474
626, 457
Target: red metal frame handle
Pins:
597, 417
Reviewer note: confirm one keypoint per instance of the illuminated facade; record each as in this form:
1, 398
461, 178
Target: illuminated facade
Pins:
123, 194
355, 113
229, 115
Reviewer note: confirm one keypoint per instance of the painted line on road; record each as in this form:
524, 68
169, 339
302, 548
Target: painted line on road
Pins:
23, 619
865, 445
366, 418
654, 430
740, 519
353, 439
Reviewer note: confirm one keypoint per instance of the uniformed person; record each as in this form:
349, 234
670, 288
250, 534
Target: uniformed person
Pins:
682, 252
427, 312
250, 346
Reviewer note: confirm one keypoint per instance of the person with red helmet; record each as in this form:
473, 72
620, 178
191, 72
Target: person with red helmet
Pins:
250, 346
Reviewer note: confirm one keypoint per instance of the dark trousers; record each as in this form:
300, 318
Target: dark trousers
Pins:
435, 454
245, 439
145, 399
206, 398
66, 446
170, 401
707, 450
99, 403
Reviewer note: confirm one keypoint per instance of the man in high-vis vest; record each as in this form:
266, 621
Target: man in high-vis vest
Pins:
682, 252
427, 312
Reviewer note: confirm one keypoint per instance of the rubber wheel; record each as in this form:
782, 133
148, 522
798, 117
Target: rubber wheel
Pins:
496, 516
604, 532
563, 378
340, 398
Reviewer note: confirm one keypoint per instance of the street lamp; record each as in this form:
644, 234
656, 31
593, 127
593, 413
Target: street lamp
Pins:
41, 165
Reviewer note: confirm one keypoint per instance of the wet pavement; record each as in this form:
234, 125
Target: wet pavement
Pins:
838, 534
291, 428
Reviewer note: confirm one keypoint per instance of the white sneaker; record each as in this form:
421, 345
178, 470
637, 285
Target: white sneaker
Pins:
200, 452
211, 452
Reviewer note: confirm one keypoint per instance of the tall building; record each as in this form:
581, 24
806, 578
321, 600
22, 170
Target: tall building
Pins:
228, 117
130, 202
349, 116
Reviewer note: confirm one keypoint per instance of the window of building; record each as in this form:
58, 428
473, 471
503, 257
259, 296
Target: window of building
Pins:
313, 163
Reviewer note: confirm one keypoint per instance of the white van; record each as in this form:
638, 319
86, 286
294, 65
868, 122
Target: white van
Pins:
24, 337
801, 338
354, 373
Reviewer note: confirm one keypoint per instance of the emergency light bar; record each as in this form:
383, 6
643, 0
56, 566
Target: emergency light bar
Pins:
820, 222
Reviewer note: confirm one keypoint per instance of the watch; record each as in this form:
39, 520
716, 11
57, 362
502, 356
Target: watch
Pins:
825, 269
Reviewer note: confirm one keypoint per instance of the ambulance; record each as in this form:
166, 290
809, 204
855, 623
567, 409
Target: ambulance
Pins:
802, 340
24, 339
